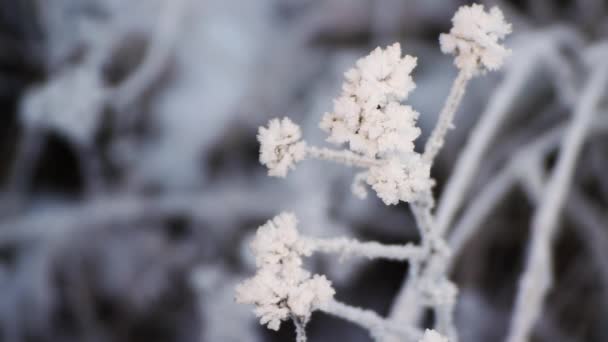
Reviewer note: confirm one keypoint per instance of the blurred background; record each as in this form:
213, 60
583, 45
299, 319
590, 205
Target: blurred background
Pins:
131, 186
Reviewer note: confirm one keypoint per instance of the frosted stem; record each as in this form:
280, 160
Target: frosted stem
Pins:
585, 216
480, 140
446, 116
370, 250
368, 319
300, 329
343, 157
537, 277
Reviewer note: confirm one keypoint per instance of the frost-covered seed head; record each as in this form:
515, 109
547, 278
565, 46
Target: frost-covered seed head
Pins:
402, 179
368, 115
380, 77
474, 39
280, 146
433, 336
277, 240
281, 287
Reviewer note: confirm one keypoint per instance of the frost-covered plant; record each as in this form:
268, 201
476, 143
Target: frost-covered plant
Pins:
380, 133
475, 38
281, 147
368, 116
282, 288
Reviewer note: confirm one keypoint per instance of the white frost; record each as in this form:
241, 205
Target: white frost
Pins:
282, 288
400, 179
474, 38
280, 146
368, 114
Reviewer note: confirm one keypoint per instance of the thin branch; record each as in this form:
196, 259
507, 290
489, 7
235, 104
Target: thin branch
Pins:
446, 117
480, 141
370, 250
588, 219
300, 329
341, 156
368, 319
537, 278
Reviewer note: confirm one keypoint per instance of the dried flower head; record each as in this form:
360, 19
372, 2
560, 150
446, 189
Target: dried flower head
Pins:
474, 38
277, 240
400, 179
280, 146
281, 287
368, 114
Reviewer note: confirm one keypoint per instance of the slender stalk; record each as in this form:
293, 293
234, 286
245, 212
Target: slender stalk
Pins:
446, 116
370, 250
406, 307
537, 278
343, 157
300, 329
480, 140
368, 319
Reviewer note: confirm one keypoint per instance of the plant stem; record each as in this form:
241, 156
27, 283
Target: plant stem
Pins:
446, 117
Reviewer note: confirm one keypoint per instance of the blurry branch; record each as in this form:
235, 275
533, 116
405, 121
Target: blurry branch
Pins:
71, 104
537, 278
367, 319
539, 46
522, 168
529, 54
480, 139
56, 222
159, 51
587, 218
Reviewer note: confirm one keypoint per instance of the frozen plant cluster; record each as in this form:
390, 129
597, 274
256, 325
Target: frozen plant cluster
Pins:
369, 117
281, 146
282, 288
379, 132
475, 38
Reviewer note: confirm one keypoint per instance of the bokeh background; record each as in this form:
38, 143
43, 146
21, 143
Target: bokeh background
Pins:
131, 186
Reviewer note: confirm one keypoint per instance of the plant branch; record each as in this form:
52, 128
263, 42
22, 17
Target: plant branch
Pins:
537, 278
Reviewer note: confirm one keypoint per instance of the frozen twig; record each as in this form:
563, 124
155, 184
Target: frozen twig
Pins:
344, 157
522, 168
585, 216
540, 47
300, 329
536, 280
480, 140
367, 319
370, 250
446, 117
